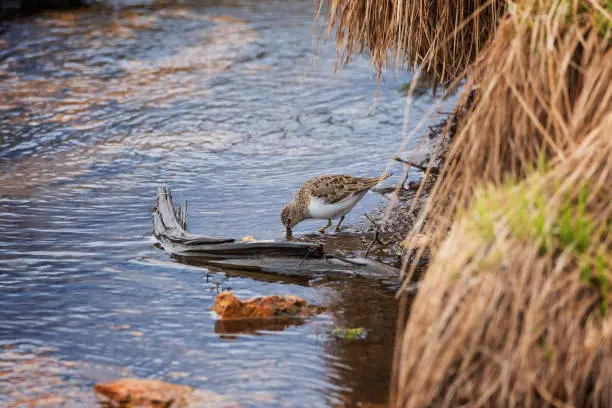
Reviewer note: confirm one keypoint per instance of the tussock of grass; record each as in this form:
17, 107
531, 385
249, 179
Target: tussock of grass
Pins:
441, 37
514, 309
543, 84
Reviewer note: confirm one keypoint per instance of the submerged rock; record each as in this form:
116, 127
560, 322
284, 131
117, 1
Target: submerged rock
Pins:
135, 392
228, 306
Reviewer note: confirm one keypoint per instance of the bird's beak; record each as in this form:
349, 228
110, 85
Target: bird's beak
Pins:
288, 232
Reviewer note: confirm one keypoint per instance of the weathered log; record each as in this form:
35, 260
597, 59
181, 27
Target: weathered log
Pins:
169, 224
288, 258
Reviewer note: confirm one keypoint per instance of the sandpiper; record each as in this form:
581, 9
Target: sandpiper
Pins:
327, 197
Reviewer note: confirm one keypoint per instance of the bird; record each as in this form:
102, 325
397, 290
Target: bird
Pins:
327, 197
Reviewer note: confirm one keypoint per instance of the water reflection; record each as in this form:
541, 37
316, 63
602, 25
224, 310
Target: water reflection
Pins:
255, 326
366, 305
221, 101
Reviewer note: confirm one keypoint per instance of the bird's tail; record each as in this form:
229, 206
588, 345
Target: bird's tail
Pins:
376, 180
371, 182
384, 177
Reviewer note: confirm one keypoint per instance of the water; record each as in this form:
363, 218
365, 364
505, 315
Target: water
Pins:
226, 102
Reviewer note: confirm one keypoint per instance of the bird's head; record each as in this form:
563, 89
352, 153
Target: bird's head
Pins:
289, 217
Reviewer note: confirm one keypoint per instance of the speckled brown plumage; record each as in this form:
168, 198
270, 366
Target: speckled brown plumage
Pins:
336, 187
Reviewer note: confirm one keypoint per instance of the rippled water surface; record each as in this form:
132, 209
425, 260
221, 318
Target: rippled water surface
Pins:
225, 102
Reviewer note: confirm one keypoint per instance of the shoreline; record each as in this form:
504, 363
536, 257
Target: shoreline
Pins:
395, 223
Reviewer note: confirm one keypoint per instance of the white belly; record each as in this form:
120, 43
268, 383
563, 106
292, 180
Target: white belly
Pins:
319, 209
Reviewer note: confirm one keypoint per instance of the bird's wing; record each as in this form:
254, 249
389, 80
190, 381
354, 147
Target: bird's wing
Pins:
338, 187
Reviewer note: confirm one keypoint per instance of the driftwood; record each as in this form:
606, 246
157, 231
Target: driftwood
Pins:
288, 258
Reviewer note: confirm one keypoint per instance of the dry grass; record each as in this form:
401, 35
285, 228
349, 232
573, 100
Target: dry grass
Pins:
514, 310
515, 307
440, 37
542, 86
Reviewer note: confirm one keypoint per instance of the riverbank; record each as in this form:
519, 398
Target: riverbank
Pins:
396, 218
513, 307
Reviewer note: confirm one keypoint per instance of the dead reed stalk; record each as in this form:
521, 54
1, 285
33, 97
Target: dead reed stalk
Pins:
514, 309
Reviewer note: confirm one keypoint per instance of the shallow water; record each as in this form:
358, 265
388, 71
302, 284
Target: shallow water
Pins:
226, 102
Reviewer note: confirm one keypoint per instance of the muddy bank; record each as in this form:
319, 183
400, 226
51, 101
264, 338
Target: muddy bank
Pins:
396, 217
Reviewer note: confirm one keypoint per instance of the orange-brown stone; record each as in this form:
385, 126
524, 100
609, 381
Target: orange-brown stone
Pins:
145, 393
228, 306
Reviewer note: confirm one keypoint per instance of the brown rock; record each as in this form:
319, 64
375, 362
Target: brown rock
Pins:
145, 393
228, 306
135, 392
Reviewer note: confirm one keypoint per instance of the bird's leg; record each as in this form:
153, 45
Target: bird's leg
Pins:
329, 223
338, 225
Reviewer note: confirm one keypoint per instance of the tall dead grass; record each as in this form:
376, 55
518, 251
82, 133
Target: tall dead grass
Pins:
542, 86
440, 37
514, 309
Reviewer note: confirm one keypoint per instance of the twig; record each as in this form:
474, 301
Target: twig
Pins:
376, 238
413, 164
348, 261
343, 259
308, 253
405, 177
